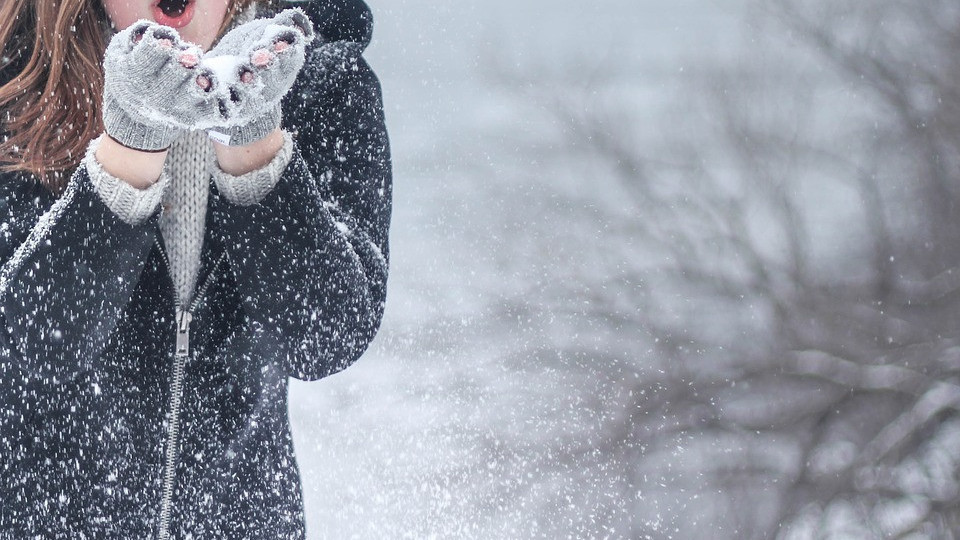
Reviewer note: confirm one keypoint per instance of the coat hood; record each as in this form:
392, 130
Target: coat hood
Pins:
338, 20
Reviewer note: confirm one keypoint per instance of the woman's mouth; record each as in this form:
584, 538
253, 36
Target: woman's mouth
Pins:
173, 13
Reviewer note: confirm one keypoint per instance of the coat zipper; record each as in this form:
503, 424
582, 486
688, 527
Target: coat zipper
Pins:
181, 353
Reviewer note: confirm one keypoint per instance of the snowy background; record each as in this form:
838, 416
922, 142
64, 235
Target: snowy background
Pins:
659, 269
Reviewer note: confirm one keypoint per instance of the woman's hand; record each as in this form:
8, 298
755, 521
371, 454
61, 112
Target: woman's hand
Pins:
151, 90
248, 72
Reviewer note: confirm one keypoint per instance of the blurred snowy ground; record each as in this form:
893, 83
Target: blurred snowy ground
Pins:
444, 428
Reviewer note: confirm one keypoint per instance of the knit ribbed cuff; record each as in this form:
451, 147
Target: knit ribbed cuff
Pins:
118, 124
251, 132
251, 188
130, 204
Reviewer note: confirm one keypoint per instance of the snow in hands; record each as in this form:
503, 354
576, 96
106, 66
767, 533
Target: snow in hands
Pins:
253, 66
157, 80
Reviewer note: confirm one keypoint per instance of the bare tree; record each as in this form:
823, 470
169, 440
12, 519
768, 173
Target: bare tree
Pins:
769, 307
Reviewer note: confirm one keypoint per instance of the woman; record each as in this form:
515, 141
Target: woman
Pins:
171, 254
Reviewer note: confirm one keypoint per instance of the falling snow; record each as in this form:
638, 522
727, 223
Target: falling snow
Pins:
658, 270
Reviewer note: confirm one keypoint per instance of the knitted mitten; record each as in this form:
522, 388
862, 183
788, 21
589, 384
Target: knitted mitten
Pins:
150, 95
249, 71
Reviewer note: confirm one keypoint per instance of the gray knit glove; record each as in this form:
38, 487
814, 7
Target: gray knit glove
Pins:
249, 71
150, 91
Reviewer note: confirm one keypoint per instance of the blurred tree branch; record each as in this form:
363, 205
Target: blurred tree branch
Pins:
752, 315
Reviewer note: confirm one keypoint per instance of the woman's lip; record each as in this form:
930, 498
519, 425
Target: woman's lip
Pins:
173, 22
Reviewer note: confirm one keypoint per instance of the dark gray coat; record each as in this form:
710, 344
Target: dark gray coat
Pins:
88, 326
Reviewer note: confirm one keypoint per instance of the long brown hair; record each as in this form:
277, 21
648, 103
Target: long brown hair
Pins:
50, 110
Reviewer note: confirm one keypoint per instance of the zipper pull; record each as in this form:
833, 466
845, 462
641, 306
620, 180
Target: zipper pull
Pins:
184, 318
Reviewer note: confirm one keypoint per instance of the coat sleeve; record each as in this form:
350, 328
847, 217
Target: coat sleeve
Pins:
69, 267
311, 258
